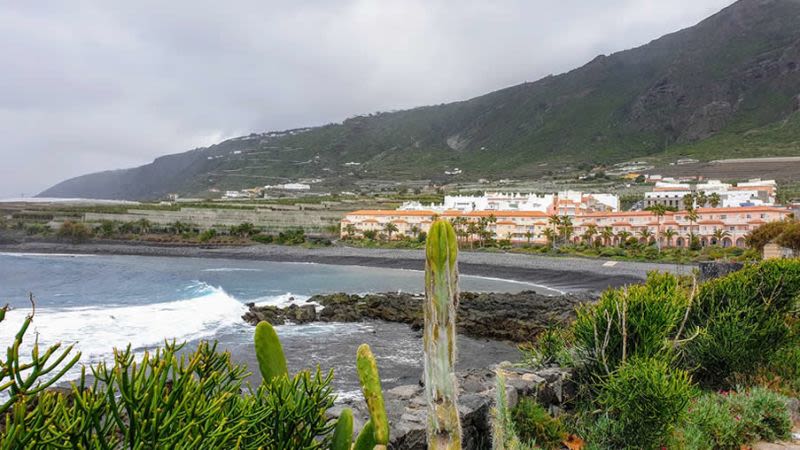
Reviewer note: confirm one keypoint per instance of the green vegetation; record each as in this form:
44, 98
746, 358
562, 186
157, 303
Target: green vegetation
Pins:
725, 420
532, 423
785, 233
780, 138
646, 398
740, 321
649, 361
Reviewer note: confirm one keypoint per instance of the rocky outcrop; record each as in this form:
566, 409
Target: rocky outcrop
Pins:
407, 411
279, 316
515, 317
715, 269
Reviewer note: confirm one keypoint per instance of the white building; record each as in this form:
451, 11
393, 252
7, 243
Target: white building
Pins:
755, 192
566, 203
290, 187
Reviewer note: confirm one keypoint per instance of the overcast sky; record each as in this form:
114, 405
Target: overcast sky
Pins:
95, 85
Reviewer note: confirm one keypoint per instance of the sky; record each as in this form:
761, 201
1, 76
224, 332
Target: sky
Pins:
106, 84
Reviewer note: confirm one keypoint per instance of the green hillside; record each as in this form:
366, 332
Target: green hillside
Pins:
730, 83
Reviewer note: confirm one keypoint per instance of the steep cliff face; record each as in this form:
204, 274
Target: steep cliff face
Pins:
735, 71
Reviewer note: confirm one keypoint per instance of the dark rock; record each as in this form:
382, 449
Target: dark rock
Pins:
715, 269
515, 317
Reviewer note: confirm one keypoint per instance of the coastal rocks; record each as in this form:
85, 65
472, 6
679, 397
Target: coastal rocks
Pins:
407, 408
279, 316
514, 317
715, 269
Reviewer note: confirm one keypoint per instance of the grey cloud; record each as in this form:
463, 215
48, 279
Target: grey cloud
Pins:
93, 85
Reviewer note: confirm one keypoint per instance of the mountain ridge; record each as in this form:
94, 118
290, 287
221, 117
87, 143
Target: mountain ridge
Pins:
735, 71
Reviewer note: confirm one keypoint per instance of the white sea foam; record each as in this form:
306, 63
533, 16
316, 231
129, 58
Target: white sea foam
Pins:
46, 255
232, 269
96, 330
282, 300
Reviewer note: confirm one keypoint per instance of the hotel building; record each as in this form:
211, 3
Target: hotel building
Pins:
529, 226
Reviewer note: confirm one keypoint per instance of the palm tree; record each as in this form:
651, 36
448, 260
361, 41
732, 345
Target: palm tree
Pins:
607, 234
623, 237
390, 228
688, 201
473, 228
714, 200
658, 210
566, 228
719, 235
415, 231
144, 226
645, 234
528, 236
551, 236
554, 221
669, 233
591, 231
702, 199
179, 227
691, 216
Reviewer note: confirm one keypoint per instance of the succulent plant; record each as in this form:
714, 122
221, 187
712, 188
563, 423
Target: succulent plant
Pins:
271, 361
371, 387
441, 303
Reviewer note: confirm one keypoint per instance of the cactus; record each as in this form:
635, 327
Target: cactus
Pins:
371, 387
441, 292
366, 439
343, 434
271, 361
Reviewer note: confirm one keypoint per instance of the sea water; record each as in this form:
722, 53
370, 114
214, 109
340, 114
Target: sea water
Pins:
100, 302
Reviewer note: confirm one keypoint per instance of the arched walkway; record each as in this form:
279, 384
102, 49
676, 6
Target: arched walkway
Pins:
726, 242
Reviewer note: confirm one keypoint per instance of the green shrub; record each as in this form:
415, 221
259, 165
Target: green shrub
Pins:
534, 425
647, 398
648, 316
291, 237
504, 434
263, 238
608, 252
37, 228
783, 370
245, 229
741, 321
729, 420
74, 231
107, 228
207, 235
166, 399
553, 345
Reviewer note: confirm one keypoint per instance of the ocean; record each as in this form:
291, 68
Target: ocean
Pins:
99, 302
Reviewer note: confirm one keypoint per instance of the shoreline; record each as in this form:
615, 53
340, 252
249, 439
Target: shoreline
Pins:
568, 274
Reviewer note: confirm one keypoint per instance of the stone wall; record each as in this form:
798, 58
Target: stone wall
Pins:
407, 409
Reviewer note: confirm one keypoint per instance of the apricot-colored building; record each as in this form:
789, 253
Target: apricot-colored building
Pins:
530, 226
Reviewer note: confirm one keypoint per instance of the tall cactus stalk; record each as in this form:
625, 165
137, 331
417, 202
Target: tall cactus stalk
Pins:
441, 291
371, 388
271, 360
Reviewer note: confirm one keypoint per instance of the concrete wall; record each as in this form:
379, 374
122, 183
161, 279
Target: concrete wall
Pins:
311, 221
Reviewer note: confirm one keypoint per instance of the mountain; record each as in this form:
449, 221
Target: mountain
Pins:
693, 92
